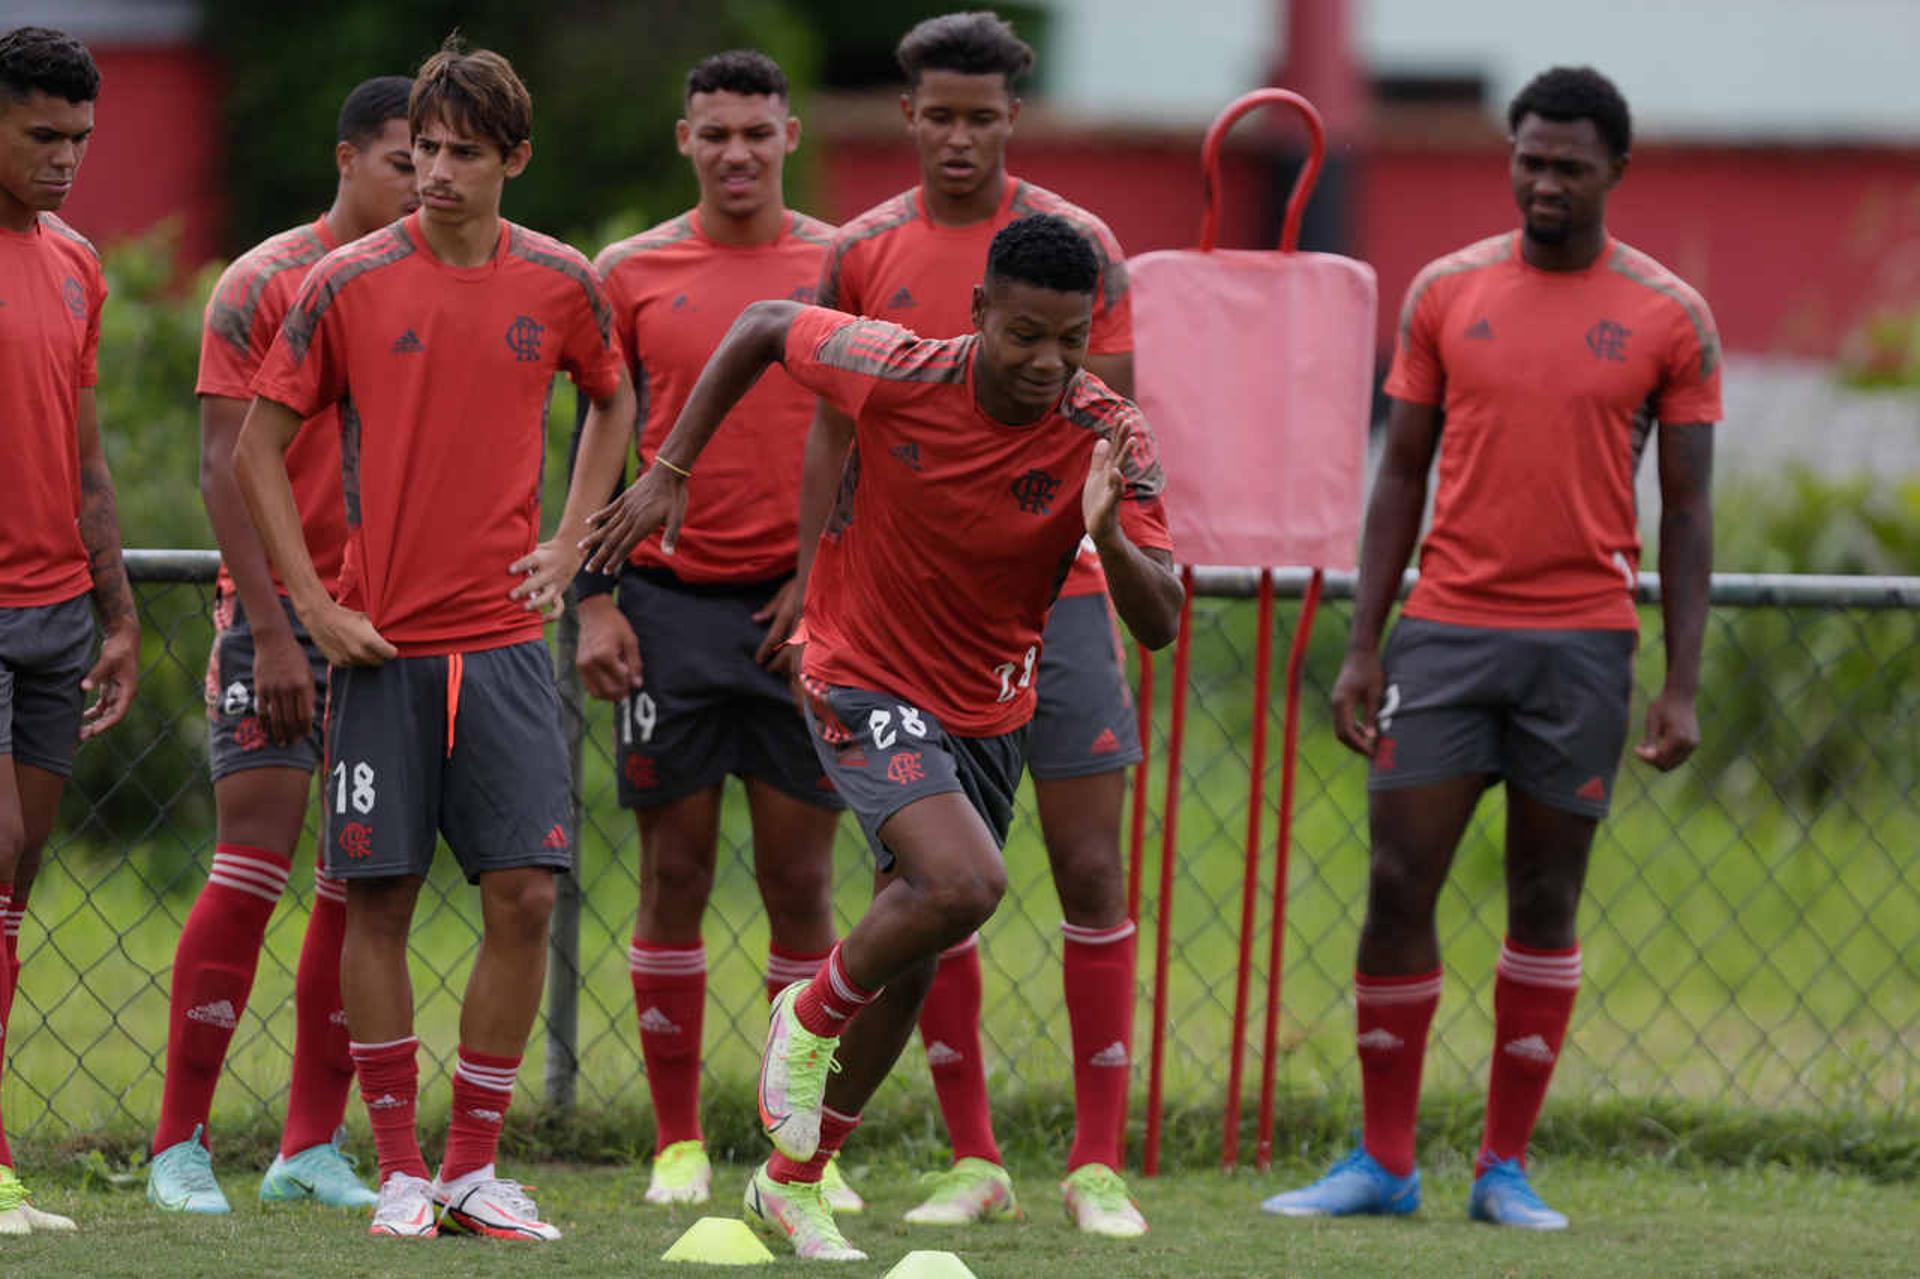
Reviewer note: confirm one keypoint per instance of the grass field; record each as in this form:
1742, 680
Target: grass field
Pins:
1633, 1218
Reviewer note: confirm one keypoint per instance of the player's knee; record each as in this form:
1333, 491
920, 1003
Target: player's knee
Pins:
1091, 886
1543, 912
967, 897
13, 845
1398, 895
518, 905
677, 883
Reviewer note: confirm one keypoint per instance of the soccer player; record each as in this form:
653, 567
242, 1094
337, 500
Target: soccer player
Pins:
1550, 353
683, 653
59, 533
265, 683
914, 259
437, 339
979, 463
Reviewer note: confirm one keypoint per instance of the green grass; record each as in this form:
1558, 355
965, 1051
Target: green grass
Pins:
1632, 1218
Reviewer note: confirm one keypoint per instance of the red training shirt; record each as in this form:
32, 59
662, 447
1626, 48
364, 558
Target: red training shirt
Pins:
243, 315
952, 531
51, 293
895, 263
441, 376
1551, 382
675, 293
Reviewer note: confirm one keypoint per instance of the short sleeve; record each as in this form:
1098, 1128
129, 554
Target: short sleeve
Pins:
843, 359
90, 352
590, 356
1112, 332
1690, 382
1417, 375
839, 288
234, 338
620, 298
1143, 515
306, 367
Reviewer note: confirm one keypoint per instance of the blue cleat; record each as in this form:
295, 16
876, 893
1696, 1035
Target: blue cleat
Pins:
322, 1174
1356, 1186
180, 1179
1503, 1195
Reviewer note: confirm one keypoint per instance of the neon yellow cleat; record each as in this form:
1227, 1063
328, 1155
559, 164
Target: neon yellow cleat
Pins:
798, 1213
1098, 1204
972, 1190
682, 1174
840, 1196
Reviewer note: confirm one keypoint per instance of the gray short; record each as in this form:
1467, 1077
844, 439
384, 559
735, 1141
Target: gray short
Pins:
884, 754
45, 651
705, 708
468, 746
1084, 723
236, 739
1544, 710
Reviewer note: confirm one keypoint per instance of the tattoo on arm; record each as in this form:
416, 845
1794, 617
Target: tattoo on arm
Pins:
100, 533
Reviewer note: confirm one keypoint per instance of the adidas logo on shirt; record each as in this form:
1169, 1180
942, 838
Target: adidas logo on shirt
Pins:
940, 1053
908, 453
1532, 1048
408, 344
218, 1013
1114, 1054
655, 1022
1481, 331
1380, 1039
902, 299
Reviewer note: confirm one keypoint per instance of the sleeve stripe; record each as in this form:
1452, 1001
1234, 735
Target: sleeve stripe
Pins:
553, 255
1649, 274
335, 272
236, 298
1474, 257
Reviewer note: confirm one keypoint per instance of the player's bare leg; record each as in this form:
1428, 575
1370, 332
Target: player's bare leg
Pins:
1080, 823
1415, 832
258, 816
667, 964
1534, 989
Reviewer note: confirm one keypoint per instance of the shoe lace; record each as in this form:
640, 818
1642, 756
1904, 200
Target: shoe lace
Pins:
944, 1182
1514, 1185
195, 1171
678, 1161
809, 1067
1102, 1187
403, 1195
513, 1196
811, 1202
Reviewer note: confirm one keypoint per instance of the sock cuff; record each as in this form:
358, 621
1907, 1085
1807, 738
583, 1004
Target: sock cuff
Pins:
848, 1121
406, 1046
655, 960
12, 917
788, 966
326, 888
254, 871
486, 1070
844, 987
1098, 936
1556, 969
1411, 988
961, 949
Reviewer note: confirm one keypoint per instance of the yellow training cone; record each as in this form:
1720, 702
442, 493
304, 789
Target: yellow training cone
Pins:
722, 1241
926, 1264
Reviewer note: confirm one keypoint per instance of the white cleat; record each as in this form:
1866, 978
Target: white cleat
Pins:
405, 1210
483, 1204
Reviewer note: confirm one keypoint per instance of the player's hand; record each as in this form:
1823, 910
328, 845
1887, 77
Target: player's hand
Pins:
658, 497
548, 570
115, 677
780, 613
348, 638
282, 686
1356, 701
608, 656
1100, 499
1673, 731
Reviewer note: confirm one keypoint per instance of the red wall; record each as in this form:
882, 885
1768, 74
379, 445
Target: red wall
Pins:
1792, 246
155, 152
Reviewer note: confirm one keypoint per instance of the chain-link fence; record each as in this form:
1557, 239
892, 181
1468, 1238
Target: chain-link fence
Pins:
1751, 933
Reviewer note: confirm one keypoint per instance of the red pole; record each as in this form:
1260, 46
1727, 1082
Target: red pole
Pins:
1137, 837
1169, 828
1290, 739
1250, 882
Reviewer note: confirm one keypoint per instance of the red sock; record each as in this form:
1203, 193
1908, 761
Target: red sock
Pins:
1533, 994
1391, 1016
1099, 976
389, 1076
322, 1065
11, 917
831, 997
482, 1091
670, 999
785, 967
6, 1007
213, 969
950, 1029
835, 1128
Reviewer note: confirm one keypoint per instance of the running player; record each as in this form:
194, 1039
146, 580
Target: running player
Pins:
682, 655
914, 259
265, 683
979, 463
1551, 353
59, 533
437, 339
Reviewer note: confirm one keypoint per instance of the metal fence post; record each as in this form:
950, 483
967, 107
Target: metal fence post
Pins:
563, 942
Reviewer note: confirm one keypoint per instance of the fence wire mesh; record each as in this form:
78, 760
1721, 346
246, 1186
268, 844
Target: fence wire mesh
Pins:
1751, 929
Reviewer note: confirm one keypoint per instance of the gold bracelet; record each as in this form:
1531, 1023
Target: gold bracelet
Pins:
680, 471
